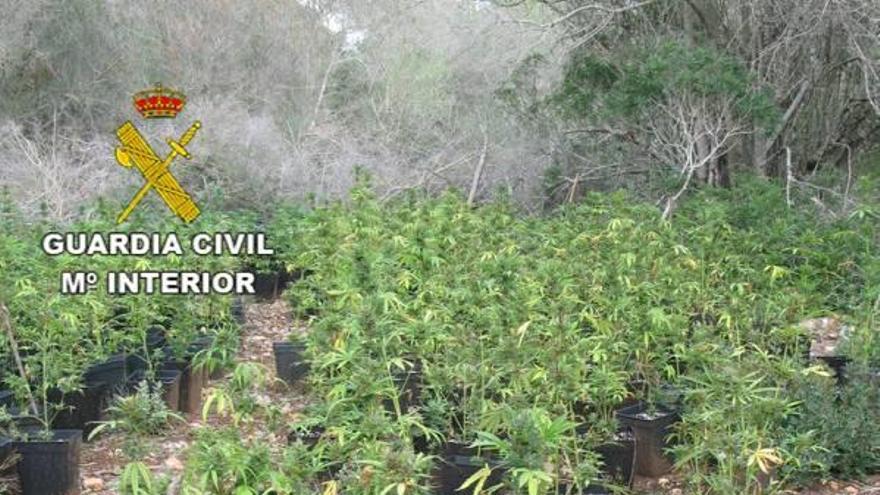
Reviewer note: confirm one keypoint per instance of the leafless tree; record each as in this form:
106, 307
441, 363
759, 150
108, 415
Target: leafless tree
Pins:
819, 58
693, 133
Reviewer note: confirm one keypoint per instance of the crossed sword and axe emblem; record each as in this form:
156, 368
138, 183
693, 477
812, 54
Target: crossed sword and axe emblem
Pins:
135, 151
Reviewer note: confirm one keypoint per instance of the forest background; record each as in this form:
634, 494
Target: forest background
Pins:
538, 101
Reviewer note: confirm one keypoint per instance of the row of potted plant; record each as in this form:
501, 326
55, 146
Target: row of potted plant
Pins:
477, 347
64, 357
464, 328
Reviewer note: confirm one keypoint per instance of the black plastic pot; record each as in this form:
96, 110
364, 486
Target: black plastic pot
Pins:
838, 365
409, 383
619, 458
618, 461
81, 410
190, 386
6, 452
421, 445
50, 467
138, 360
7, 398
200, 344
111, 372
270, 284
456, 464
170, 388
409, 389
284, 279
237, 310
135, 364
266, 284
156, 338
309, 437
651, 431
290, 365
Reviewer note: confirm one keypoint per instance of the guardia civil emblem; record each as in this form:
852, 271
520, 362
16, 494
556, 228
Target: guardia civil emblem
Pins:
157, 103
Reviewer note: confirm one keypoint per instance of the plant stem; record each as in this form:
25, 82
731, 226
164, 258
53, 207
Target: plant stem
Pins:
13, 344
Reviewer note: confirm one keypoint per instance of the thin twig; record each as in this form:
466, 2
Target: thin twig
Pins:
788, 176
475, 183
13, 345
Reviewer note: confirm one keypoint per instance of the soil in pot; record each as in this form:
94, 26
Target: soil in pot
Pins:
290, 364
50, 466
190, 386
82, 409
217, 374
457, 462
651, 429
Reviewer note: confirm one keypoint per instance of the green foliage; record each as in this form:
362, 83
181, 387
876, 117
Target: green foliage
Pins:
221, 463
137, 479
138, 416
731, 437
521, 335
235, 398
633, 83
533, 443
142, 413
834, 432
220, 355
599, 302
59, 336
384, 468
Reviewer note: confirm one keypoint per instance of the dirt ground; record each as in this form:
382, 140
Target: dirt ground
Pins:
671, 485
103, 458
